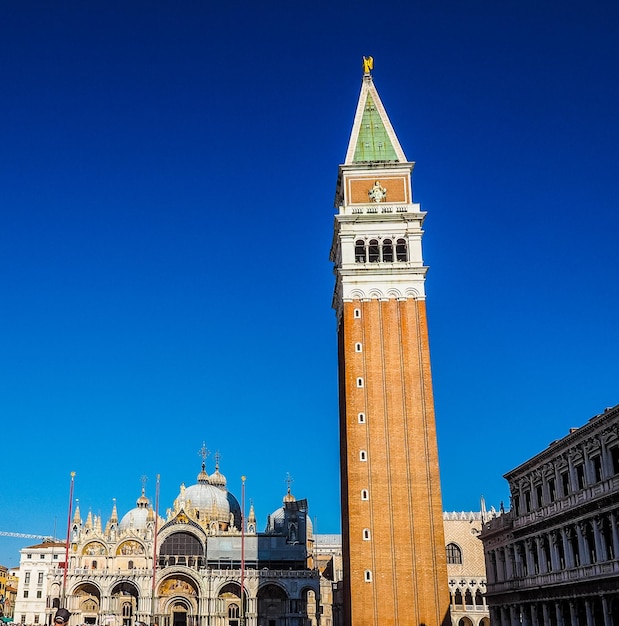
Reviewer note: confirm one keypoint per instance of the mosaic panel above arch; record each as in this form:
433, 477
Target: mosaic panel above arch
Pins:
179, 585
94, 548
129, 548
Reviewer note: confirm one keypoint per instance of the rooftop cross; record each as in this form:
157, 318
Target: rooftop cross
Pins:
204, 453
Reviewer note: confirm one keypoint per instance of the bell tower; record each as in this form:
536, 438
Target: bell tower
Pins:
393, 542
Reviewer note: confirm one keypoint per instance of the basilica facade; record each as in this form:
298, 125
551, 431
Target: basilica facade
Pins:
197, 566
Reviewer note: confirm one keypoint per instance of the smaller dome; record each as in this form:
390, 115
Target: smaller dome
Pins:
217, 479
135, 518
139, 516
276, 519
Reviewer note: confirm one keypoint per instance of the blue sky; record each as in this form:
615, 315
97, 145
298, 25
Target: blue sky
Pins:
167, 174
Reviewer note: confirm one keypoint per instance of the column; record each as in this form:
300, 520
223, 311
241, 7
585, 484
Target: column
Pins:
545, 615
555, 559
600, 543
615, 531
525, 614
528, 549
541, 559
514, 616
567, 549
535, 615
589, 612
585, 555
573, 616
607, 615
495, 615
559, 614
491, 568
572, 474
505, 621
607, 468
502, 570
509, 562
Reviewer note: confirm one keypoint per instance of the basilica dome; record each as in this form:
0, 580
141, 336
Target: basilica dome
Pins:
139, 516
210, 500
277, 519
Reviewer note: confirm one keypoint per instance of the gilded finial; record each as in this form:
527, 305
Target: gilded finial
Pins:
368, 64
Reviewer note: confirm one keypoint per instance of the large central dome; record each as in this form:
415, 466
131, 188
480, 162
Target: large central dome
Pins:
207, 502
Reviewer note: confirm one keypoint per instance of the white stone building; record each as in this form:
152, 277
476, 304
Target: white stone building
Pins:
39, 565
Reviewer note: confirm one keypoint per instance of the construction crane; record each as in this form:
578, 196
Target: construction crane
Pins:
4, 533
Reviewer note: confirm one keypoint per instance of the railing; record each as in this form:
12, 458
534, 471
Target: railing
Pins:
584, 572
384, 208
583, 496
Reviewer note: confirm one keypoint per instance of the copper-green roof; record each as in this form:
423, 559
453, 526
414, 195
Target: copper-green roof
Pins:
373, 143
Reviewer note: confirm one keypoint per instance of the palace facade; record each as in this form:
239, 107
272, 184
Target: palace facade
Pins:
551, 560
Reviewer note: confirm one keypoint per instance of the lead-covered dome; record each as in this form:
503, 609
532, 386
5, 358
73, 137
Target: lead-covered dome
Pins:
138, 517
210, 503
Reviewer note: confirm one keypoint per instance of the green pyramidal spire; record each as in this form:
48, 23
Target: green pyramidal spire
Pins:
372, 139
373, 143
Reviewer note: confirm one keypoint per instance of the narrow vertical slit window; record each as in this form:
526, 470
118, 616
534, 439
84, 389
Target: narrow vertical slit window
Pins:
361, 418
368, 576
358, 347
359, 382
365, 494
363, 455
357, 313
366, 534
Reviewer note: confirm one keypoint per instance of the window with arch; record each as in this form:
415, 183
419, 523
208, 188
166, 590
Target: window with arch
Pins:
94, 565
365, 494
234, 611
479, 598
401, 251
374, 251
130, 565
454, 554
361, 418
458, 597
357, 313
377, 250
360, 251
366, 534
367, 576
468, 598
363, 455
358, 347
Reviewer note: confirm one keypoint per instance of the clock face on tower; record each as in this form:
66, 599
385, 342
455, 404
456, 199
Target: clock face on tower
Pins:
377, 193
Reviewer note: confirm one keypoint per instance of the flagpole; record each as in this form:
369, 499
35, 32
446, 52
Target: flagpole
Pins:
242, 550
66, 549
152, 608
